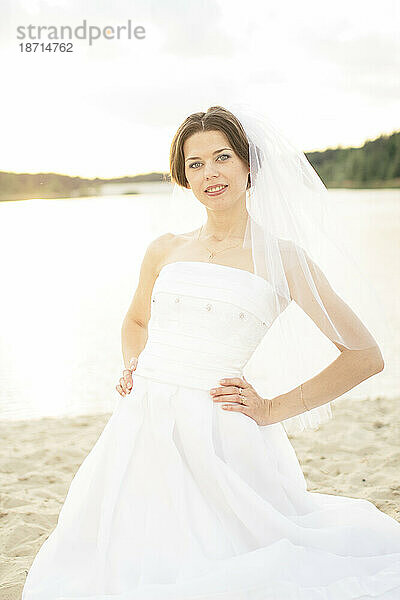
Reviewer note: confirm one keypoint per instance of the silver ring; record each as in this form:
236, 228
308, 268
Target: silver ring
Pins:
242, 396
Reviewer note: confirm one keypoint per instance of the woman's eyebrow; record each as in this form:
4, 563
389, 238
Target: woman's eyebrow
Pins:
216, 152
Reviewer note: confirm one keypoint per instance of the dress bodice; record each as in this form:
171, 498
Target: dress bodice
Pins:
206, 321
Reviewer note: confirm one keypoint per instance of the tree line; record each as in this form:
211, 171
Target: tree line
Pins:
374, 165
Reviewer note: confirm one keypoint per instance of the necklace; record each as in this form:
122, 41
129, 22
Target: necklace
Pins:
213, 252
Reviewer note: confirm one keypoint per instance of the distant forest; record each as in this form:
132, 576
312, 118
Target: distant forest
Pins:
375, 165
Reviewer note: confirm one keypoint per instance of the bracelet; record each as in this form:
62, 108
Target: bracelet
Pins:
302, 397
269, 408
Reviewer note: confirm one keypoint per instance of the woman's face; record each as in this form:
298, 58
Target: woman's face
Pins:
210, 162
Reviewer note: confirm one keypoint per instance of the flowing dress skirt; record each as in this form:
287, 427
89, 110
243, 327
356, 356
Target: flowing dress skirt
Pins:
181, 500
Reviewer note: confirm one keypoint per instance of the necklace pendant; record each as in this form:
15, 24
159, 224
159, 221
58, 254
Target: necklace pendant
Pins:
211, 256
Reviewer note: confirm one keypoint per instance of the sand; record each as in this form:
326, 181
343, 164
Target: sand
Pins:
356, 454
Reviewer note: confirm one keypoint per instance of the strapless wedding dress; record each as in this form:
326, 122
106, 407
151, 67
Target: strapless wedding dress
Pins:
182, 500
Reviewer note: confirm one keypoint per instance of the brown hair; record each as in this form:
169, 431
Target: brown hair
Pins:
216, 118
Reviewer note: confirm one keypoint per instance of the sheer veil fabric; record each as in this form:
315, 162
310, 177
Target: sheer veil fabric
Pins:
293, 241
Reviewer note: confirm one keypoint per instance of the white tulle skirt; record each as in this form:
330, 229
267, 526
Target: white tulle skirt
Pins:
181, 500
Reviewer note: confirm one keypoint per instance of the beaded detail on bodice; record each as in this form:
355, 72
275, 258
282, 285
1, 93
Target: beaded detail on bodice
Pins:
206, 321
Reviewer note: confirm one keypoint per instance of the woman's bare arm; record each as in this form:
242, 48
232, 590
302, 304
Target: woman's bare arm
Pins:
134, 326
349, 369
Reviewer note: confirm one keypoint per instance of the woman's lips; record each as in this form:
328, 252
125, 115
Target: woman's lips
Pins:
216, 193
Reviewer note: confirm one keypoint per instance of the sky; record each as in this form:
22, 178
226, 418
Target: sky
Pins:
326, 73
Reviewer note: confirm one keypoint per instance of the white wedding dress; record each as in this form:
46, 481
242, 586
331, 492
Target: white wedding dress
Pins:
181, 500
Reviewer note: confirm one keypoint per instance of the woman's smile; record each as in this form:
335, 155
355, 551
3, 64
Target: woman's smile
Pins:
216, 190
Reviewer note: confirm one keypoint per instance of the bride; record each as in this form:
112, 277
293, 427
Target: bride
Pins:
193, 490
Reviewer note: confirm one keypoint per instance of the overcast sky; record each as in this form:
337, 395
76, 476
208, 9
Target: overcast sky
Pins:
327, 73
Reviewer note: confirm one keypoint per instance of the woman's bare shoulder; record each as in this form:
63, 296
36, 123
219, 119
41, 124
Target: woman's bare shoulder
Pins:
189, 235
165, 245
159, 244
175, 241
170, 238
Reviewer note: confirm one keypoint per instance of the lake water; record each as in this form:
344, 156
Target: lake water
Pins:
69, 271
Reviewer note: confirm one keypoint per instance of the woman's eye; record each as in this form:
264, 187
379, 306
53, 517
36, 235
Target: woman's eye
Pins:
193, 165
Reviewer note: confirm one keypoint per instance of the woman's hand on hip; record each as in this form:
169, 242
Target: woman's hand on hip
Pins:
243, 398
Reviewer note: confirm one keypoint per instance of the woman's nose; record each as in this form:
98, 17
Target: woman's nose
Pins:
211, 170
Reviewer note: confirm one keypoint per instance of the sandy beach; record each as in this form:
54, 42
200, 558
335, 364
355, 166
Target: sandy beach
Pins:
356, 454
